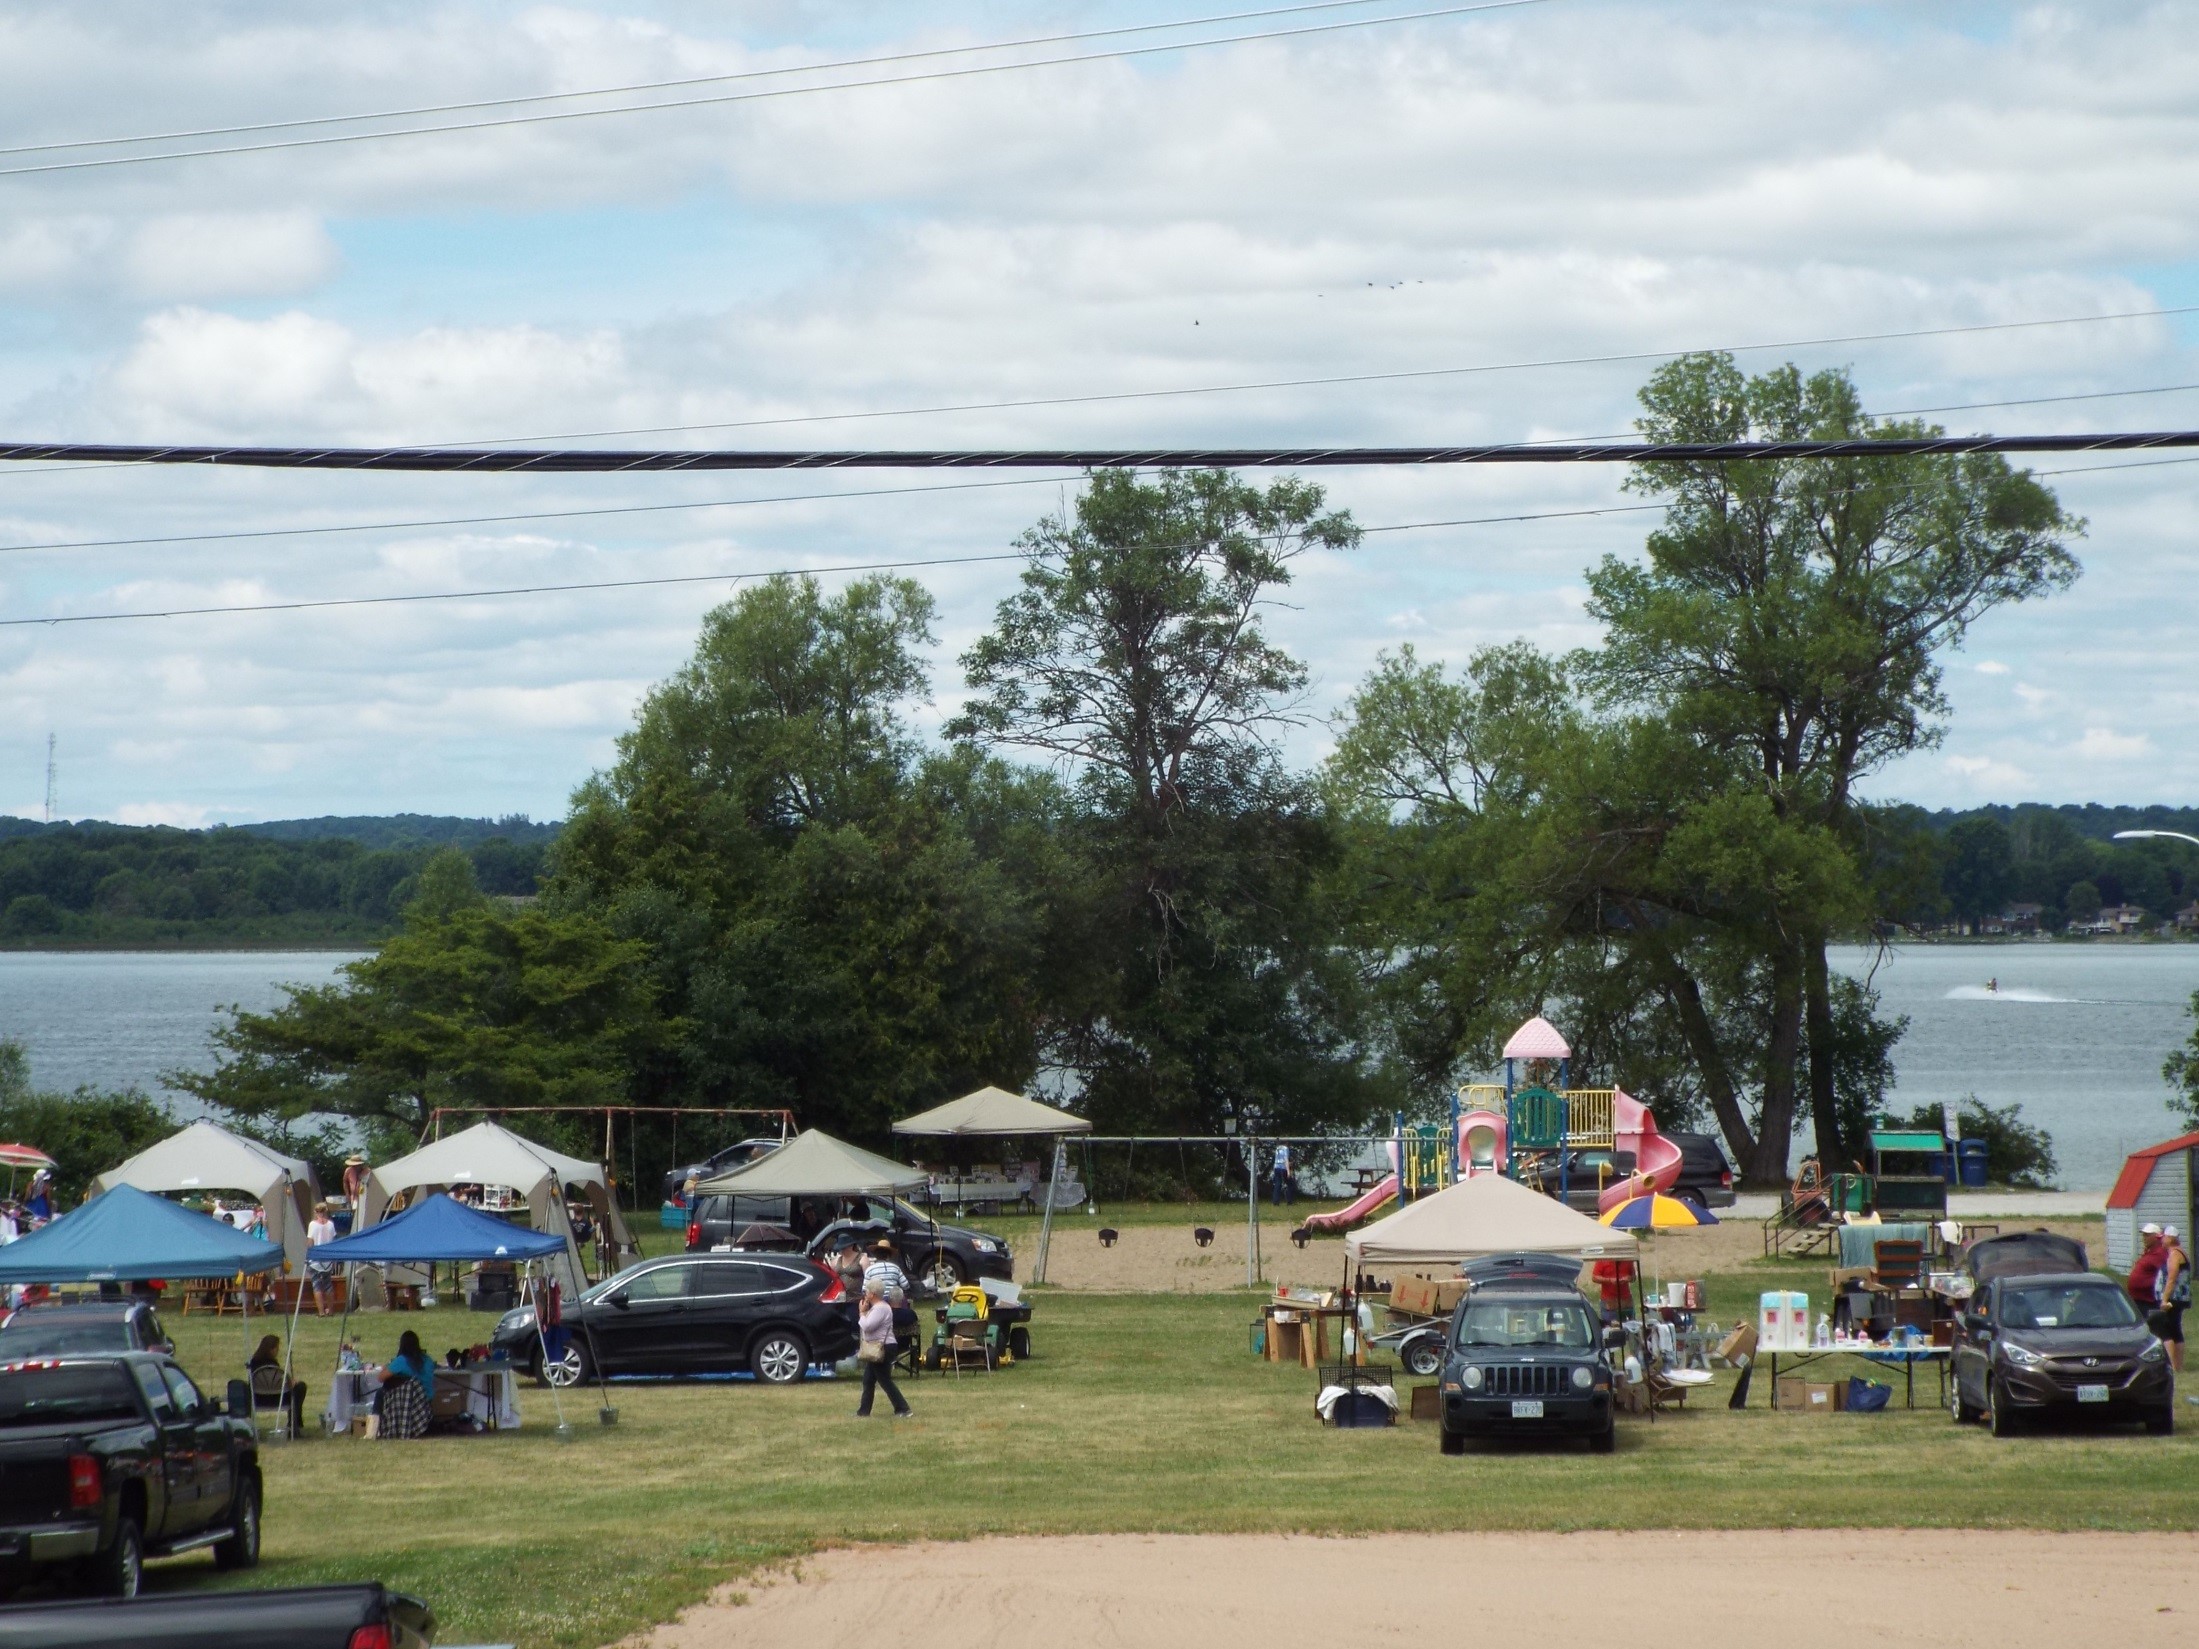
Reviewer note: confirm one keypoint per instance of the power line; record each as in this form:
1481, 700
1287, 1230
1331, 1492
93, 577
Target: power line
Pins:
1389, 377
580, 461
536, 98
972, 71
851, 567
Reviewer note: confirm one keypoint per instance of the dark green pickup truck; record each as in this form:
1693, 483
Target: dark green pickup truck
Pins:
109, 1459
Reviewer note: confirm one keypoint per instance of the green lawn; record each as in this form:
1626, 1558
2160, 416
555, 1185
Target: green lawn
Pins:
1138, 1413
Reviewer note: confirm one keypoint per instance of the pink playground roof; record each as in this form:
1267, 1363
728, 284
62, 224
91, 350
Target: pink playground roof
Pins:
1537, 1039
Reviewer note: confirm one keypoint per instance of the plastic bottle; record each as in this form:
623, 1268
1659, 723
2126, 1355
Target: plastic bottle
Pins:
1824, 1331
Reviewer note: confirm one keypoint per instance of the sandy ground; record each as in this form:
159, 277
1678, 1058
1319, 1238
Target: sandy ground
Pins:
1998, 1589
1166, 1259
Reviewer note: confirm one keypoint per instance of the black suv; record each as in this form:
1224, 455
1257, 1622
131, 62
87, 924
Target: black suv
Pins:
936, 1257
2072, 1344
1524, 1359
721, 1162
67, 1328
769, 1315
1706, 1178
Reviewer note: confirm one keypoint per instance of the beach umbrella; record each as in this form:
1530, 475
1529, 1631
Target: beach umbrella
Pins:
23, 1156
1657, 1213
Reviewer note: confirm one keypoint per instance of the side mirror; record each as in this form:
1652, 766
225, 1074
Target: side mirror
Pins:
1614, 1339
618, 1299
240, 1400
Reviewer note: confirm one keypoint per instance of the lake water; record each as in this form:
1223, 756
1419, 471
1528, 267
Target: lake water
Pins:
2076, 1034
116, 1019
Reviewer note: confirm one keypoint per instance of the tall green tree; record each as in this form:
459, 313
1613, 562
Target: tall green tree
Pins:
2181, 1071
1980, 869
1789, 617
1199, 985
840, 924
86, 1132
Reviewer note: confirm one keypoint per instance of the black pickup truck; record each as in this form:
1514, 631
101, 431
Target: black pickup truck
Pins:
366, 1616
109, 1459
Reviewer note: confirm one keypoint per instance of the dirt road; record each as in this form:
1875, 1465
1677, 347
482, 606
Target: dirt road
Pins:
1956, 1590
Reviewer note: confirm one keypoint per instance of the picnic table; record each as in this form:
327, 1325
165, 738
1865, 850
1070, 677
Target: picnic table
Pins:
1908, 1356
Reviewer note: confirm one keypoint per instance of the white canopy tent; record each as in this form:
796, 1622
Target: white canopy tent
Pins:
489, 1154
210, 1159
1487, 1214
995, 1113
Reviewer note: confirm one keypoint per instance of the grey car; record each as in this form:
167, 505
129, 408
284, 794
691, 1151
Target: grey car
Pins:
2071, 1344
1526, 1361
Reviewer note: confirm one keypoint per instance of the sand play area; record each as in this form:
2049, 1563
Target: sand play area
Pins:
1956, 1589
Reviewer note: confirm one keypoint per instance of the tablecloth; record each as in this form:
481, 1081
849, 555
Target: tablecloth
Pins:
492, 1394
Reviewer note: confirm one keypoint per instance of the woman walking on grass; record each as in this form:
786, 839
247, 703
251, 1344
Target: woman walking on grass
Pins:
875, 1353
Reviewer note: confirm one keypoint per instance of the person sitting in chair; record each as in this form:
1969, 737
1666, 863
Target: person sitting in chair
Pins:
408, 1393
270, 1355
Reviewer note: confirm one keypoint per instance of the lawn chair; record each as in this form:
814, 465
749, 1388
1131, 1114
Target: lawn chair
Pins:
967, 1339
1897, 1266
269, 1394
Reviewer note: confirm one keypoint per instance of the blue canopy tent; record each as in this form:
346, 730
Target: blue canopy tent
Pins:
127, 1235
438, 1228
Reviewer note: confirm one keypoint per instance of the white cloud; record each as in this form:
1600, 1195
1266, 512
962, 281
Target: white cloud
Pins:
2103, 744
184, 815
1986, 775
1990, 667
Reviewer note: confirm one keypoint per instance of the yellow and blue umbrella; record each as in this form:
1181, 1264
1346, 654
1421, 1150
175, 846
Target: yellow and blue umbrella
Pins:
1657, 1213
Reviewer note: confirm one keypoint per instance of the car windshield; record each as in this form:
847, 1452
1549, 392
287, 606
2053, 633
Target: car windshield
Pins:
1526, 1323
73, 1394
28, 1337
2067, 1305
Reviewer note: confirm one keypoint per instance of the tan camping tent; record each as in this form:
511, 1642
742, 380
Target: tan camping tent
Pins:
1487, 1214
209, 1159
488, 1154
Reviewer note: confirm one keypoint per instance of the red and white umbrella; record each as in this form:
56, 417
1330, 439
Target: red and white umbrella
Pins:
23, 1156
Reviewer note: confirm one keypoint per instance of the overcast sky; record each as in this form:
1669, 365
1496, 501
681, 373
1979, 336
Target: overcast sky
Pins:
1555, 180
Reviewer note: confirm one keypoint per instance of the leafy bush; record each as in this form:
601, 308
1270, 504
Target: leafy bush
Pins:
2016, 1154
86, 1133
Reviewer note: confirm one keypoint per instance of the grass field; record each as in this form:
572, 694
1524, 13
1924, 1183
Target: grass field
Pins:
1140, 1412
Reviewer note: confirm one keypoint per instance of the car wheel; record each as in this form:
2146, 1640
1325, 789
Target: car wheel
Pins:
1964, 1414
1422, 1357
568, 1368
946, 1274
1449, 1441
242, 1549
117, 1571
778, 1356
2162, 1421
1605, 1441
1999, 1417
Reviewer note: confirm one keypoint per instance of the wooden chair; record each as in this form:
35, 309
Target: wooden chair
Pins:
1897, 1266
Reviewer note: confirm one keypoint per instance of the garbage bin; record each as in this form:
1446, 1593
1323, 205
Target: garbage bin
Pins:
1971, 1154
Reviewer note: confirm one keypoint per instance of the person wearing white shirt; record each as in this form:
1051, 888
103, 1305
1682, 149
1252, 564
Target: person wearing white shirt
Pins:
323, 1277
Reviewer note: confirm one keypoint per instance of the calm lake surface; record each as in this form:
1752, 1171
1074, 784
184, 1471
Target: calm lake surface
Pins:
116, 1019
2076, 1034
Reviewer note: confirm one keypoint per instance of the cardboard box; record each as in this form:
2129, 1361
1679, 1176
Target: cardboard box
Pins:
1427, 1296
1285, 1340
1809, 1396
449, 1401
1427, 1403
1739, 1346
366, 1425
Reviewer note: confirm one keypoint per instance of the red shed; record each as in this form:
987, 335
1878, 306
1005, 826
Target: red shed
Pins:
2155, 1187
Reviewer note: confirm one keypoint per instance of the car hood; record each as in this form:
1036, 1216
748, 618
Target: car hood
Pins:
2080, 1342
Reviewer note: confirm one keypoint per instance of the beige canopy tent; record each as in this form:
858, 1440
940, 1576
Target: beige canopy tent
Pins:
1487, 1214
488, 1154
993, 1111
814, 1164
996, 1113
210, 1159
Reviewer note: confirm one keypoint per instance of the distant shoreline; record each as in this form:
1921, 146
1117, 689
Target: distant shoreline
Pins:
289, 947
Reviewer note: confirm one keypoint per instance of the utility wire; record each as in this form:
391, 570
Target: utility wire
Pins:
329, 139
581, 461
536, 98
851, 567
1380, 377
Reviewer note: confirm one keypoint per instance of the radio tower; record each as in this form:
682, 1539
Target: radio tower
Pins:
49, 778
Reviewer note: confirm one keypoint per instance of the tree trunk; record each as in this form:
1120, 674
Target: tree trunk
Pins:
1686, 998
1766, 1169
1834, 1150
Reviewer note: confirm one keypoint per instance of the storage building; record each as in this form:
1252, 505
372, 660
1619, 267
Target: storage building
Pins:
2155, 1187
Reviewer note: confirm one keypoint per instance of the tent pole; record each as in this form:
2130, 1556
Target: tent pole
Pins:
343, 1324
534, 1286
290, 1351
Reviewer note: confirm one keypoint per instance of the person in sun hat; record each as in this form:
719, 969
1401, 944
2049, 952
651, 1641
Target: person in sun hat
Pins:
355, 1179
884, 1274
2145, 1277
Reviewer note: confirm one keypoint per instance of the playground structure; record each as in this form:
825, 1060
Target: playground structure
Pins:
1531, 1127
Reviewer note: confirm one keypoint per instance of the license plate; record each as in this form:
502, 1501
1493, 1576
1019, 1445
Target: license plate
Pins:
1530, 1408
2092, 1394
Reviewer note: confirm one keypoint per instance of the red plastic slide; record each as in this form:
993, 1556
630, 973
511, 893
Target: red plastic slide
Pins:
1657, 1160
1338, 1219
